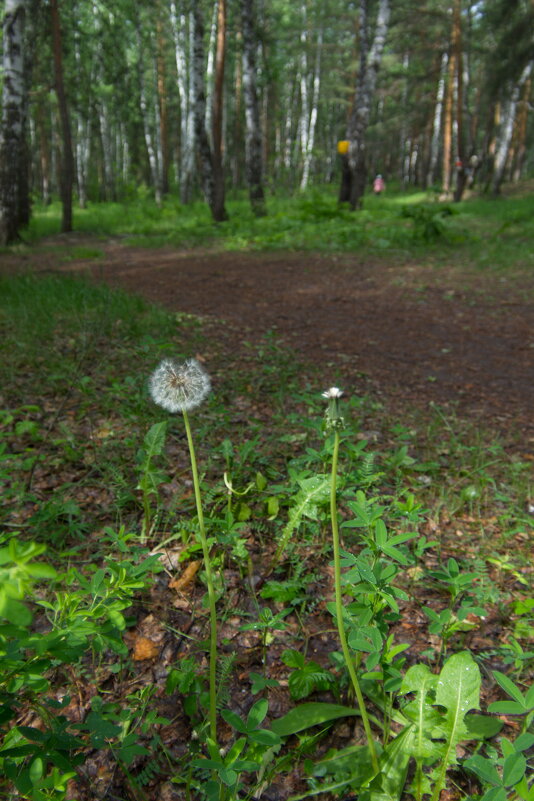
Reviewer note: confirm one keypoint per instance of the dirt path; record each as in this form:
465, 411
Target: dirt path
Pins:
411, 334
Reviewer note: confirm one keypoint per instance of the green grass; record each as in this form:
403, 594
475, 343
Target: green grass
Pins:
75, 361
481, 232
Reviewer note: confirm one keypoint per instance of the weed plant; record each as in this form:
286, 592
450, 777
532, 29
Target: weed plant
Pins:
403, 667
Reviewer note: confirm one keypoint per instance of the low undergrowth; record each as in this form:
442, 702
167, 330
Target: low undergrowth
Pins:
372, 580
490, 234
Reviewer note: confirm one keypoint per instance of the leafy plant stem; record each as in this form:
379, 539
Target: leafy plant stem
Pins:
339, 606
211, 588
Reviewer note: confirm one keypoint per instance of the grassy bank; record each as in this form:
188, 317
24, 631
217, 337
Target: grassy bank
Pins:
103, 684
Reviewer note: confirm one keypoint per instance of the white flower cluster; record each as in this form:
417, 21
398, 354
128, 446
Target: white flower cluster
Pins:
179, 387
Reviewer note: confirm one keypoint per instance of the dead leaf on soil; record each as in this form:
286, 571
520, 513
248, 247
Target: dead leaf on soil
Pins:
182, 583
144, 648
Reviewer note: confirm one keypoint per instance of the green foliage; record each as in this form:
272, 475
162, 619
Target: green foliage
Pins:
67, 626
429, 220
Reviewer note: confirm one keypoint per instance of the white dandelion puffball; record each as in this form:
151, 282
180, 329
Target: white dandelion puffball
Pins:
179, 387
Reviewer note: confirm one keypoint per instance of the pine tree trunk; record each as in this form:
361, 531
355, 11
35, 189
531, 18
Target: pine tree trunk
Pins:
14, 203
354, 165
461, 167
67, 161
219, 211
448, 114
253, 154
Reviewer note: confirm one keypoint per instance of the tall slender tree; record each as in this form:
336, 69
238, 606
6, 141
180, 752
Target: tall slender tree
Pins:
212, 194
67, 159
354, 164
14, 202
253, 148
217, 114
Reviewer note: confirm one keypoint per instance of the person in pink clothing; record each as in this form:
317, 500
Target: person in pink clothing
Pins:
378, 185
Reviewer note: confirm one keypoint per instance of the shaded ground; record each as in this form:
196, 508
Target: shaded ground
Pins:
412, 334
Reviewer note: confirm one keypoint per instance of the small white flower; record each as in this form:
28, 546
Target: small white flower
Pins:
179, 387
333, 392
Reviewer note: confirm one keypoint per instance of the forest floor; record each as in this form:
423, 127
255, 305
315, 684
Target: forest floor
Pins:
410, 333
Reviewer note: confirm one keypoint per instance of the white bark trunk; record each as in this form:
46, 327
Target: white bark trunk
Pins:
507, 130
355, 174
312, 122
436, 124
182, 27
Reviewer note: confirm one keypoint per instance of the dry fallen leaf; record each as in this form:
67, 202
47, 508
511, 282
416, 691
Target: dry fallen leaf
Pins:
183, 581
145, 649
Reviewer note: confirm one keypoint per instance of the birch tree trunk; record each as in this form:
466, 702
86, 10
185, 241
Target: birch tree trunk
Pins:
253, 154
218, 212
354, 166
151, 139
163, 113
521, 132
183, 27
506, 130
436, 123
13, 160
67, 160
311, 122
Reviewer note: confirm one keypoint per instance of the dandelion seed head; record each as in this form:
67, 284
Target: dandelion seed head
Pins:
177, 386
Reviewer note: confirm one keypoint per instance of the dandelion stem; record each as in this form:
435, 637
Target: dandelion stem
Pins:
339, 607
211, 589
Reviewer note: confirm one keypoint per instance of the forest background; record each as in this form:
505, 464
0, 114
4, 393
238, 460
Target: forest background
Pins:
126, 98
240, 126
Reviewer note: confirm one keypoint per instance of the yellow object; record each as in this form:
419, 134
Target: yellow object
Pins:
343, 147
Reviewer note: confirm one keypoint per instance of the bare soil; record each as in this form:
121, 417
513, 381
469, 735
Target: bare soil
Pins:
412, 334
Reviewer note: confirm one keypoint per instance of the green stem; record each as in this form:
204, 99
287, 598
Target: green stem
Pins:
339, 608
211, 589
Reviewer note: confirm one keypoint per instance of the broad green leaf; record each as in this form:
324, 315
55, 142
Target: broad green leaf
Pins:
524, 742
458, 690
388, 785
257, 713
36, 770
312, 714
235, 751
484, 769
482, 727
507, 708
14, 611
264, 737
509, 687
234, 720
421, 681
513, 769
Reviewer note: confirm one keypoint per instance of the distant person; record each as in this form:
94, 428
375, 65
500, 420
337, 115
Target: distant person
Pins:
379, 185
